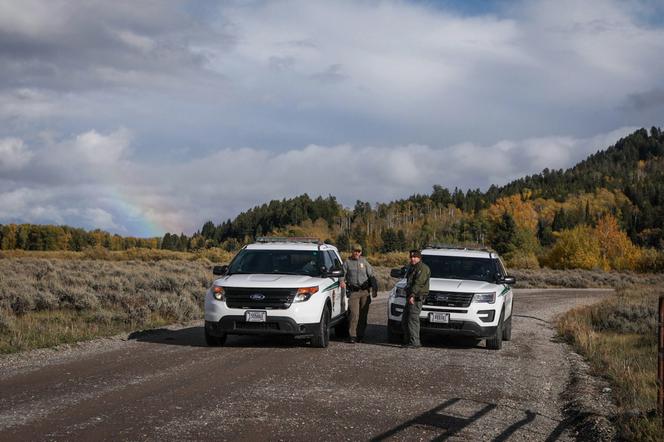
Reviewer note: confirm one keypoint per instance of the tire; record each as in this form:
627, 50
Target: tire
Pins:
341, 329
321, 338
214, 341
507, 330
394, 337
496, 342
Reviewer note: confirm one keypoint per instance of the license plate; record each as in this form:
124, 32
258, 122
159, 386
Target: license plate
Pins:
255, 316
439, 317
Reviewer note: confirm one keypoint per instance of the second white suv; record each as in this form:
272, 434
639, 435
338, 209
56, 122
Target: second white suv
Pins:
278, 286
469, 295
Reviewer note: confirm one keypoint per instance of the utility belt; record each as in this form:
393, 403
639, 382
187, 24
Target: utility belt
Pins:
356, 288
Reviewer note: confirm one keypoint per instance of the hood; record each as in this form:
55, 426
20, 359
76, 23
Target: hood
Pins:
268, 281
460, 285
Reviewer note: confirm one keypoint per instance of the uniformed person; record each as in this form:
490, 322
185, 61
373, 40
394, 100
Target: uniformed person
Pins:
358, 281
417, 289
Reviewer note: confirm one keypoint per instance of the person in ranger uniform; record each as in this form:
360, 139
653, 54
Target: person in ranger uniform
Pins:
359, 279
417, 289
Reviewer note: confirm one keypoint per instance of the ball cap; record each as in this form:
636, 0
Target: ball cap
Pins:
415, 253
357, 248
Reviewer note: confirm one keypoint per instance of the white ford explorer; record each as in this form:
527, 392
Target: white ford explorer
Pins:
278, 286
469, 295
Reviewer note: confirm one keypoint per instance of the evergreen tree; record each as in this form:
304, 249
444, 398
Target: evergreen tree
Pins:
504, 234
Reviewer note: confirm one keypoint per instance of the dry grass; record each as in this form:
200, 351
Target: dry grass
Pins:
80, 299
619, 338
215, 255
578, 278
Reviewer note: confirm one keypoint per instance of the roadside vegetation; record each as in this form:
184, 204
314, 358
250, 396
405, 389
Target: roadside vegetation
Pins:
45, 302
619, 338
48, 298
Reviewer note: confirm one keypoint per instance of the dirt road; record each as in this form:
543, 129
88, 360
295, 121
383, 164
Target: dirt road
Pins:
169, 386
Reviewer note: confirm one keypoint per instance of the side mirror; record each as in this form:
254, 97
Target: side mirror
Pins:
509, 280
219, 270
336, 273
398, 273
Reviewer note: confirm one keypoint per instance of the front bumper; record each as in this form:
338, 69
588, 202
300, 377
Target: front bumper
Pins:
479, 320
453, 328
275, 325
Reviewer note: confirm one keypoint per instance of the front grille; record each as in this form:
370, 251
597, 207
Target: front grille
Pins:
449, 299
251, 298
448, 326
396, 309
256, 325
444, 310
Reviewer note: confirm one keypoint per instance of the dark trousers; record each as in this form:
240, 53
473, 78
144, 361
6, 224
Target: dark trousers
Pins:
410, 323
358, 307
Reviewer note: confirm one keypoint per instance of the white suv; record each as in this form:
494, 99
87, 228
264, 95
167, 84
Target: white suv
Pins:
469, 295
278, 286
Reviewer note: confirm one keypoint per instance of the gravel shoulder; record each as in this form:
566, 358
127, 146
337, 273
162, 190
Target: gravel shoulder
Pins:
167, 385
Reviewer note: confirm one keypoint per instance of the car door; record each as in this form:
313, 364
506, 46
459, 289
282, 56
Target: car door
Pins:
508, 295
338, 300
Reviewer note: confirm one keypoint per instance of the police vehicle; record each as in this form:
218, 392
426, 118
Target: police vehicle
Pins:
278, 286
469, 295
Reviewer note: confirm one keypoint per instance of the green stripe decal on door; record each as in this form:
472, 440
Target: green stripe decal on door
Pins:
331, 286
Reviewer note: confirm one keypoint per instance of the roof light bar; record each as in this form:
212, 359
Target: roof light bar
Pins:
456, 247
284, 239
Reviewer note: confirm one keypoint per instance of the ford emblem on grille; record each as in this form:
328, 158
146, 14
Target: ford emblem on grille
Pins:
441, 298
257, 297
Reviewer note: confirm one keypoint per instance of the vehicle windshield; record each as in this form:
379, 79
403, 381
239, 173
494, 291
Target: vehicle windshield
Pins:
288, 262
459, 267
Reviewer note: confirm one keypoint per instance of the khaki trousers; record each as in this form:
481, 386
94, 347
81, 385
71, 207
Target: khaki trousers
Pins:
358, 307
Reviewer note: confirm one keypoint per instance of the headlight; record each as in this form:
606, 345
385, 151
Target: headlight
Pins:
400, 292
218, 293
489, 298
304, 293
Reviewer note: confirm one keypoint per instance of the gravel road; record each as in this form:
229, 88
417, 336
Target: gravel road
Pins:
167, 385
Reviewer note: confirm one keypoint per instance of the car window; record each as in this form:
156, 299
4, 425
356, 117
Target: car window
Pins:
327, 260
337, 261
501, 267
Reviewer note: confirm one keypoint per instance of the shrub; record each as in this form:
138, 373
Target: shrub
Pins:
45, 300
7, 321
522, 260
651, 260
577, 248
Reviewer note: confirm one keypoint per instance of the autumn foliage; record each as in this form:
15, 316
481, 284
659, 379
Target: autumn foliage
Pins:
602, 247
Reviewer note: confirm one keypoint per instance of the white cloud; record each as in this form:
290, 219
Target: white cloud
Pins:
14, 154
381, 98
103, 150
118, 190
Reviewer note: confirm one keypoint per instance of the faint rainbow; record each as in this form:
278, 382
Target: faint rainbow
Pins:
143, 222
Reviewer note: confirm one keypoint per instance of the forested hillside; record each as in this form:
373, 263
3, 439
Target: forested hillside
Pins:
605, 212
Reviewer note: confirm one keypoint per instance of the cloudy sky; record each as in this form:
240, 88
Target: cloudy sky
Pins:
141, 117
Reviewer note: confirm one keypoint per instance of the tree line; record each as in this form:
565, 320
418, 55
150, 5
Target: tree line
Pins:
523, 219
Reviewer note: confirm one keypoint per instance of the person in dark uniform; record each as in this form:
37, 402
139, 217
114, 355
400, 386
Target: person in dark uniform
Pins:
417, 289
359, 280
